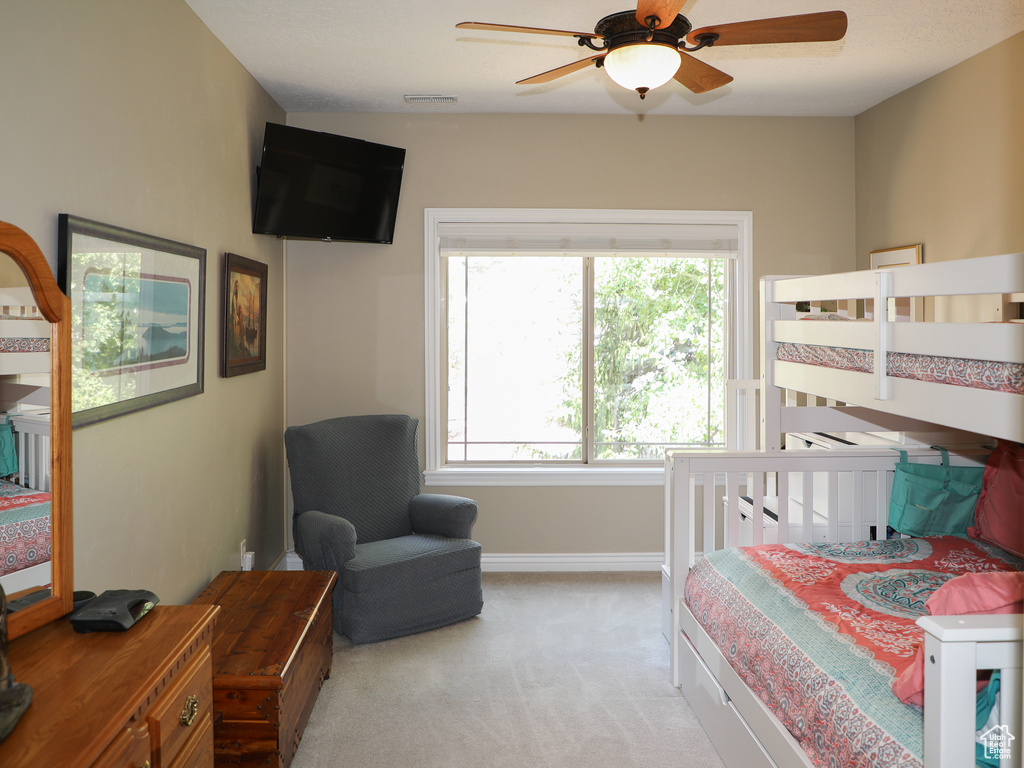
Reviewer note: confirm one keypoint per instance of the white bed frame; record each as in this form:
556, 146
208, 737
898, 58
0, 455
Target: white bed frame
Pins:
850, 489
20, 318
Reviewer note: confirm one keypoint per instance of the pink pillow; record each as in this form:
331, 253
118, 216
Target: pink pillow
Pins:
972, 593
997, 518
976, 593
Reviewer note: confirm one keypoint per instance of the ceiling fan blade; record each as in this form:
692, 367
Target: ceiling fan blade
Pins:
698, 76
665, 10
554, 74
805, 28
535, 30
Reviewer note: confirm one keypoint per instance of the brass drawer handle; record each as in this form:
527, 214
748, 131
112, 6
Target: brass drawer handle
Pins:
188, 714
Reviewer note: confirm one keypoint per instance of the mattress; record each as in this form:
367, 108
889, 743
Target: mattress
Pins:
25, 534
820, 631
24, 341
958, 371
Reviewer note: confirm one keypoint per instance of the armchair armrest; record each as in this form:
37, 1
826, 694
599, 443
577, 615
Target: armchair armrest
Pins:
325, 542
443, 515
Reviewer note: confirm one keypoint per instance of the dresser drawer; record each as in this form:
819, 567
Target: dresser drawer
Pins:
198, 750
182, 710
129, 749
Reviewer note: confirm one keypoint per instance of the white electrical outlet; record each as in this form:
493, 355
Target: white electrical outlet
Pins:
241, 561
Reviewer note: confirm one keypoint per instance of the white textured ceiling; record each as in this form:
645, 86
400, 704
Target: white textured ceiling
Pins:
366, 55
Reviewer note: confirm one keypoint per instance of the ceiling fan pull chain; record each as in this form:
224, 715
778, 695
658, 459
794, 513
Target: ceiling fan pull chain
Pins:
653, 22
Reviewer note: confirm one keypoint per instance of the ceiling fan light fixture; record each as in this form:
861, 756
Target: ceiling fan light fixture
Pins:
642, 66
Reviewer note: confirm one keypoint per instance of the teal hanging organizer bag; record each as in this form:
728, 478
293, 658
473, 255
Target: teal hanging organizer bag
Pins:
933, 499
8, 456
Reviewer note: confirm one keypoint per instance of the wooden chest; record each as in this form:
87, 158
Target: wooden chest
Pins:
272, 650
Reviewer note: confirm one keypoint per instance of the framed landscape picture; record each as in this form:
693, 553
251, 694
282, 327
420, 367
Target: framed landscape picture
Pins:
138, 308
244, 328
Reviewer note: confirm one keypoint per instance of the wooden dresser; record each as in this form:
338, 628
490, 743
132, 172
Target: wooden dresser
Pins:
135, 699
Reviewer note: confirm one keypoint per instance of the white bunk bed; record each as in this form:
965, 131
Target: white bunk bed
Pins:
987, 412
850, 490
24, 334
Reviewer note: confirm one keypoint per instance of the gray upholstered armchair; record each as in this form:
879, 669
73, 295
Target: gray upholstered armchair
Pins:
404, 560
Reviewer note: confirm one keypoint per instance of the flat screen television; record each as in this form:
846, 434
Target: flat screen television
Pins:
327, 187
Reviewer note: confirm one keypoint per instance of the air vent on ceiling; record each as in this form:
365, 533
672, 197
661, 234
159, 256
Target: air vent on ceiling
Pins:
431, 99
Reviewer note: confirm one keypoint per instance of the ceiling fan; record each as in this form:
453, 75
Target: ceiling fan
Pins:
644, 49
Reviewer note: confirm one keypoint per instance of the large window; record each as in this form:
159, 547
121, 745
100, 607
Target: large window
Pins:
581, 340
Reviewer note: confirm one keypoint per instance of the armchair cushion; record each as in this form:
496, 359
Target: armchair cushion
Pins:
443, 515
393, 563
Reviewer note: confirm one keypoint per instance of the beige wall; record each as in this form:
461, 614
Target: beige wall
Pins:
355, 312
133, 114
943, 163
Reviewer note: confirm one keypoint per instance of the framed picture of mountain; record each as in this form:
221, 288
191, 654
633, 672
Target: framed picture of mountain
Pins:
244, 326
138, 313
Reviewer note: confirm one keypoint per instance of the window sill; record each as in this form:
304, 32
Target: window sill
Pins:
546, 476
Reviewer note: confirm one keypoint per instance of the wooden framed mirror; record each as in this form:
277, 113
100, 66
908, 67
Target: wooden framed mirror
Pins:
21, 385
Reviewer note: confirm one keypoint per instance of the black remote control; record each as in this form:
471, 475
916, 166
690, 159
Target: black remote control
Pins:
114, 610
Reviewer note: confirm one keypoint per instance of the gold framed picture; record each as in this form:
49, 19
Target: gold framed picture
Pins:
903, 256
907, 308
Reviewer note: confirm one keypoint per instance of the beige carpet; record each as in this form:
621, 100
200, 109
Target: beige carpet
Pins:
559, 671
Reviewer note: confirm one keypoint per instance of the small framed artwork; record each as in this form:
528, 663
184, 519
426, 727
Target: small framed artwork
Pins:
895, 257
244, 328
905, 308
138, 309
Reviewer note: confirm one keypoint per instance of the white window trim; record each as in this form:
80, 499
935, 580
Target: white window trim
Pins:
436, 473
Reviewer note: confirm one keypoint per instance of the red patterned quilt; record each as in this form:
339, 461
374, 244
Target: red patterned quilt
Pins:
25, 538
819, 632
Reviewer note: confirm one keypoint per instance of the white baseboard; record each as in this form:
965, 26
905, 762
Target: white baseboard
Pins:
504, 563
573, 561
